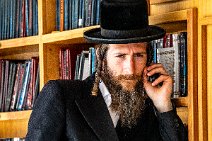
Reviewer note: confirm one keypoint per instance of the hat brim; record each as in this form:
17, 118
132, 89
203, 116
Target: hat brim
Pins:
153, 33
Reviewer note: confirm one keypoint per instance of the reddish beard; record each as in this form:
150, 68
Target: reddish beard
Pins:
127, 94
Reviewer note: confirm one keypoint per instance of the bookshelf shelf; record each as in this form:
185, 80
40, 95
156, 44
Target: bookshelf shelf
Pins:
66, 37
18, 42
17, 115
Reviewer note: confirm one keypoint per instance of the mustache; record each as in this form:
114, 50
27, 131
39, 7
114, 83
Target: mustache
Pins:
128, 77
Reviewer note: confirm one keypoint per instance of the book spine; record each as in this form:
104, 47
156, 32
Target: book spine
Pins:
24, 86
11, 85
70, 14
20, 85
183, 64
58, 15
26, 17
15, 88
176, 42
1, 80
66, 14
2, 83
30, 24
6, 81
98, 12
17, 22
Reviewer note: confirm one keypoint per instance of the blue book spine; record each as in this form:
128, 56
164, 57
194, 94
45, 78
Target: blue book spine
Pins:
80, 14
98, 12
58, 15
83, 13
35, 18
73, 11
24, 86
75, 14
8, 19
70, 14
27, 17
11, 19
93, 58
65, 14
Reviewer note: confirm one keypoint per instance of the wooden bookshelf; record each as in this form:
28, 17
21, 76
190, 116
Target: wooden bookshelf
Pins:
48, 43
189, 17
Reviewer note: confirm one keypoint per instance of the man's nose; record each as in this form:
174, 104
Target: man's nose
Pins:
129, 67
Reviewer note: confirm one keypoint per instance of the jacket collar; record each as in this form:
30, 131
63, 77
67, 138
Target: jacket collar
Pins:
95, 112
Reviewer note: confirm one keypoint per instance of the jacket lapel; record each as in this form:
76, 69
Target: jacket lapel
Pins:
95, 112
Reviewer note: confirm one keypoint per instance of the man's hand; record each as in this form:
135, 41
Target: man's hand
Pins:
160, 95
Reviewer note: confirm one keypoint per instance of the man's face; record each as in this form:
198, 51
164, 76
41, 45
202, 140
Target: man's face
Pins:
121, 73
127, 60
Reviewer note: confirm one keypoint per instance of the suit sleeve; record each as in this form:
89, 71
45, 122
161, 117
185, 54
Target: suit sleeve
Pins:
171, 127
47, 120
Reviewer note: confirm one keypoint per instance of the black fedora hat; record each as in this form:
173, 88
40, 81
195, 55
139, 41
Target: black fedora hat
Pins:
124, 21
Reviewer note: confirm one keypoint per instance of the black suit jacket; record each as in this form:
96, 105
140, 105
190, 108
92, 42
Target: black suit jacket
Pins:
65, 110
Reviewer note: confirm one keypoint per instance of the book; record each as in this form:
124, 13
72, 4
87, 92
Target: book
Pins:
169, 57
65, 14
183, 63
2, 83
12, 75
5, 86
25, 84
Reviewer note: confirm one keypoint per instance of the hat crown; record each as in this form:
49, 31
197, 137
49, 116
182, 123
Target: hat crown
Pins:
123, 15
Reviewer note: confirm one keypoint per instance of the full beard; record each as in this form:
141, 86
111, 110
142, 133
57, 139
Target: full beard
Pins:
127, 94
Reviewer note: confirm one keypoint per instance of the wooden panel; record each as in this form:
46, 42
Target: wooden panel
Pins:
14, 124
192, 75
162, 8
205, 8
209, 80
202, 84
49, 16
13, 128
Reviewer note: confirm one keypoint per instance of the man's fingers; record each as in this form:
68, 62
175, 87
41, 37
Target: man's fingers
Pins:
159, 70
162, 78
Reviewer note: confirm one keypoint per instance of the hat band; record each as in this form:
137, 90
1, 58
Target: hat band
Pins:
118, 34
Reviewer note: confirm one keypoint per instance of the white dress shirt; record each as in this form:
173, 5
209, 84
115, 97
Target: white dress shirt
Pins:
107, 97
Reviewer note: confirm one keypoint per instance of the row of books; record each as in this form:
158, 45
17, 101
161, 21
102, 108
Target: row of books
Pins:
19, 84
71, 14
77, 64
171, 51
18, 18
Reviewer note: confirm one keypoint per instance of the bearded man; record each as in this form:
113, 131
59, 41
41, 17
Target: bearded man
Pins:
118, 102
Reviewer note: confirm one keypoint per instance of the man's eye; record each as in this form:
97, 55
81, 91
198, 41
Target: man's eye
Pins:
138, 55
120, 56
